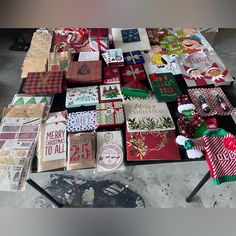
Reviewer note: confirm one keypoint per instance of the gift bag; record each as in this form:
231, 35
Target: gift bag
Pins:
59, 61
73, 39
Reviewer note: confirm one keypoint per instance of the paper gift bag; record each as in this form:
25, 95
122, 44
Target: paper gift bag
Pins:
86, 72
52, 142
59, 61
81, 151
110, 113
51, 82
74, 40
134, 72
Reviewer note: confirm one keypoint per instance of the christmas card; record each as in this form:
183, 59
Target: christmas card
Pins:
147, 114
150, 146
81, 121
164, 87
110, 153
158, 62
82, 96
131, 39
81, 151
110, 113
110, 92
204, 68
52, 142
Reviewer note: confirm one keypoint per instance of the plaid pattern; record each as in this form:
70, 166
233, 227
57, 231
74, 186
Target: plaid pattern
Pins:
51, 82
188, 128
85, 72
111, 75
129, 73
134, 57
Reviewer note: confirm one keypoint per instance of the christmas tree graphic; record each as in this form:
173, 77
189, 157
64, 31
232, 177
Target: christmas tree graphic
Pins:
110, 92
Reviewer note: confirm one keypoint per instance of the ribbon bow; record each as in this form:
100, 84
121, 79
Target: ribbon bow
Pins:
133, 57
134, 72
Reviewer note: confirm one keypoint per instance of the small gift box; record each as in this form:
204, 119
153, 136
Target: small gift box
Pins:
81, 121
82, 96
130, 35
110, 113
115, 57
110, 93
99, 45
111, 75
134, 72
98, 34
51, 82
134, 57
150, 146
86, 72
110, 153
88, 56
81, 151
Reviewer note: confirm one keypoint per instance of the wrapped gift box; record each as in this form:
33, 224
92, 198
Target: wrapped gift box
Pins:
134, 57
86, 72
110, 153
110, 113
134, 72
110, 93
88, 56
51, 82
115, 57
98, 34
82, 96
99, 45
149, 146
81, 121
81, 151
135, 89
52, 142
111, 75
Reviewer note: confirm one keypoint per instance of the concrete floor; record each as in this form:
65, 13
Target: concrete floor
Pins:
164, 185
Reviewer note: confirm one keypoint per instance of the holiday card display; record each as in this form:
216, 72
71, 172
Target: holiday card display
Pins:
81, 151
89, 56
150, 146
85, 72
131, 39
110, 154
82, 96
211, 101
203, 68
147, 114
81, 121
134, 57
52, 142
110, 114
111, 75
164, 86
110, 92
158, 62
50, 82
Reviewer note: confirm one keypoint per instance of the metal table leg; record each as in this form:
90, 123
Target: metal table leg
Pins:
44, 193
198, 187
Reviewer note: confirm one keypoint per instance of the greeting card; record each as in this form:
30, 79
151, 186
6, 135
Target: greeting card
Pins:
81, 151
147, 114
82, 96
110, 92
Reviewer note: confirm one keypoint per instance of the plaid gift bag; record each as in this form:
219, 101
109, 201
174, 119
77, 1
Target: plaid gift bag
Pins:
51, 82
130, 73
59, 61
110, 113
75, 40
111, 75
85, 72
134, 57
